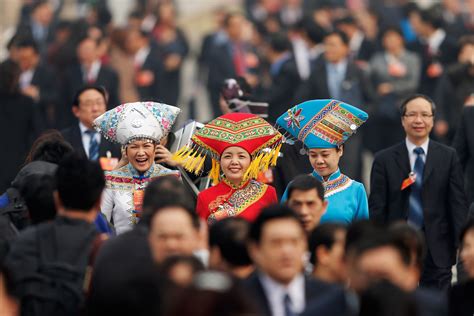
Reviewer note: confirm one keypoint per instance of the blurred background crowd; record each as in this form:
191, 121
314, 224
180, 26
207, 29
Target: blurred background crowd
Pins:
180, 52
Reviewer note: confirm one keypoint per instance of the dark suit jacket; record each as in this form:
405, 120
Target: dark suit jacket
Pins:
447, 54
153, 91
72, 135
44, 80
281, 93
313, 289
356, 88
19, 126
464, 145
444, 199
74, 80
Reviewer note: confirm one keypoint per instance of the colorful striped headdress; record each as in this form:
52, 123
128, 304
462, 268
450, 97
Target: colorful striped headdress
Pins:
248, 131
137, 120
322, 123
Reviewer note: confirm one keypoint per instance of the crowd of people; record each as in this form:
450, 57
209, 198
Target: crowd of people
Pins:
100, 212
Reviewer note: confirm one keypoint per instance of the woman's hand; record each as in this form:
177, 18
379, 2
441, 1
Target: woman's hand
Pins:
163, 155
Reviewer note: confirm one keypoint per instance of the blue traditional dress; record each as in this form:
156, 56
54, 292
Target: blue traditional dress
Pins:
347, 199
328, 124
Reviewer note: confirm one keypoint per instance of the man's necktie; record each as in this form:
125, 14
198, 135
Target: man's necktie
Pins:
287, 305
93, 145
415, 212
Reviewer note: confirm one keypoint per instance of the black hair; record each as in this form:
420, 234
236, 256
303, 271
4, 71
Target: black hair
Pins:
100, 89
80, 182
412, 238
37, 191
467, 227
228, 17
27, 42
314, 31
172, 261
37, 4
230, 237
306, 182
323, 235
348, 20
392, 29
465, 40
385, 299
403, 106
343, 36
279, 42
50, 146
9, 77
378, 237
173, 196
432, 16
270, 213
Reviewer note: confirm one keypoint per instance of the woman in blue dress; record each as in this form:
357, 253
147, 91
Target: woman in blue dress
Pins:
323, 126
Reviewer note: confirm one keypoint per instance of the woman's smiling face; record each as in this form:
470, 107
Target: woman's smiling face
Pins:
234, 163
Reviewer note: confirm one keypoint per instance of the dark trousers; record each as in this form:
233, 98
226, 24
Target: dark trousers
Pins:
433, 276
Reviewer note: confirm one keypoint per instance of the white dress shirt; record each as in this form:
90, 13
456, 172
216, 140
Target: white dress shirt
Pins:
86, 138
435, 40
275, 293
140, 57
412, 156
91, 74
26, 77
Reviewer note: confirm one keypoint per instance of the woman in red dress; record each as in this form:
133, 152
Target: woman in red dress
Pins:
241, 146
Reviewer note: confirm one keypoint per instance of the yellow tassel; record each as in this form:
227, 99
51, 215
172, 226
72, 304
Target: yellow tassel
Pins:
194, 162
276, 152
177, 156
190, 160
215, 171
200, 165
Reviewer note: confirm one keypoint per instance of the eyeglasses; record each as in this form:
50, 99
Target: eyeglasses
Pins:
424, 116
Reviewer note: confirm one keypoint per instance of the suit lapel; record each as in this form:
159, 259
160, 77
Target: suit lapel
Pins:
261, 292
401, 158
77, 138
324, 79
430, 160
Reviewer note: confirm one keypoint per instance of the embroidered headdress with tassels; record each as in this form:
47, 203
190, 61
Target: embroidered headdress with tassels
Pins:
322, 123
137, 120
248, 131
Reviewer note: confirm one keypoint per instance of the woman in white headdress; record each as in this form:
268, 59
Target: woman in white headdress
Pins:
138, 127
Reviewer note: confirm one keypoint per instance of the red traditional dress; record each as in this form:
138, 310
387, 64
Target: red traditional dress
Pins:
227, 200
250, 132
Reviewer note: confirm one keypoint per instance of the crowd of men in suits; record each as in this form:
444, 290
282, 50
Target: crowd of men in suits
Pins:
406, 68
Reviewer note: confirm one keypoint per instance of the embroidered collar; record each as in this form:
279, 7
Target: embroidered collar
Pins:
233, 186
333, 176
135, 174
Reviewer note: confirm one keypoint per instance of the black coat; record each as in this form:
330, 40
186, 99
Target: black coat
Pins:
464, 145
153, 91
460, 299
356, 88
72, 135
19, 126
45, 80
444, 199
285, 82
254, 287
74, 80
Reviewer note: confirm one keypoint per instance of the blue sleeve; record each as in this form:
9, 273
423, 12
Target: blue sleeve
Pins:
362, 203
4, 200
102, 225
284, 197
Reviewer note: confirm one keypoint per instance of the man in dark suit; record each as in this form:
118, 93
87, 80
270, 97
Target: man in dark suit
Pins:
464, 145
334, 76
436, 49
421, 181
148, 66
361, 48
89, 103
227, 58
89, 70
37, 80
277, 246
